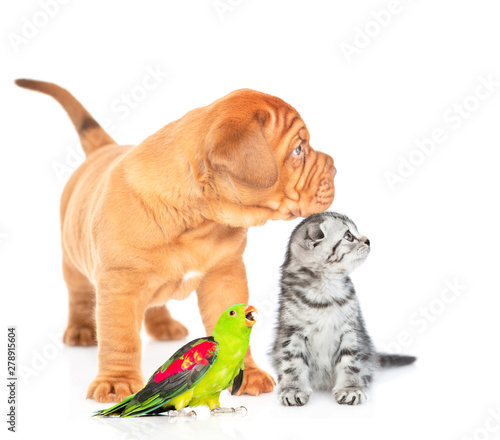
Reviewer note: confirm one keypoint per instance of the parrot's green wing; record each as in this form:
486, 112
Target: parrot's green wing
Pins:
238, 379
185, 368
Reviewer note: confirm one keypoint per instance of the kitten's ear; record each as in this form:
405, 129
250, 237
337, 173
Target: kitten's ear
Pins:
313, 235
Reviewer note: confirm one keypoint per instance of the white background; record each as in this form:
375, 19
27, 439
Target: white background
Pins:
438, 225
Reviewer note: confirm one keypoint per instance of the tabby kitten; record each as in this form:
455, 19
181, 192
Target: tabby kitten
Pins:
321, 340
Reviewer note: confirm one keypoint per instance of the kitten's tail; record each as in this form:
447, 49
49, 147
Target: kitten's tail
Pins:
395, 360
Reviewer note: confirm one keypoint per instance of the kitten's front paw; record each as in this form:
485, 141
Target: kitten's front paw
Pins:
350, 396
293, 397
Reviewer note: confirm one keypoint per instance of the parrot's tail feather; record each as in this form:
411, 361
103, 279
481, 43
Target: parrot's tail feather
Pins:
141, 408
115, 410
395, 360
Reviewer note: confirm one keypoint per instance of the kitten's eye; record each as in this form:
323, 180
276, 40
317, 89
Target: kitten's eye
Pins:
297, 151
232, 313
348, 236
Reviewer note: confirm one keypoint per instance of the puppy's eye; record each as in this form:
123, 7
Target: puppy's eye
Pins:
297, 151
348, 236
232, 313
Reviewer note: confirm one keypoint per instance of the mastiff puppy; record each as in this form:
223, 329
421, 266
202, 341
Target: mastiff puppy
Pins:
148, 223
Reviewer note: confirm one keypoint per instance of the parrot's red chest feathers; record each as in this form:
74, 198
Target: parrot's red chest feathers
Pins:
199, 354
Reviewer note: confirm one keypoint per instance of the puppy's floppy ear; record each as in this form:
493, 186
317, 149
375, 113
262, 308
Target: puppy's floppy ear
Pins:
239, 148
313, 235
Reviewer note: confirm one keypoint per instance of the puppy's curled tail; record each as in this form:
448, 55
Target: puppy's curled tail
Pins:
92, 135
395, 360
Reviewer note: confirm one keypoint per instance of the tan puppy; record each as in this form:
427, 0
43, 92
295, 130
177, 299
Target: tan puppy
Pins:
145, 224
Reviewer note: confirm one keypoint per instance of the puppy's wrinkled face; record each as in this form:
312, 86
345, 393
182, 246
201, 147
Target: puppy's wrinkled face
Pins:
330, 242
307, 175
262, 144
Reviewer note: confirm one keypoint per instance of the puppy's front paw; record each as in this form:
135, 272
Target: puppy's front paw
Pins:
293, 397
104, 389
350, 396
255, 382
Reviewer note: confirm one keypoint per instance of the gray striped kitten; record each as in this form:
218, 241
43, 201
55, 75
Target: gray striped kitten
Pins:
321, 340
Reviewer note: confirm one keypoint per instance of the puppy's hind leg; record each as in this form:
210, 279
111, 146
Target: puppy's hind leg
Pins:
160, 325
81, 329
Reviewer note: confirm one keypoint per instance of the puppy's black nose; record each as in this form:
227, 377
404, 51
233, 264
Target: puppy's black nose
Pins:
367, 242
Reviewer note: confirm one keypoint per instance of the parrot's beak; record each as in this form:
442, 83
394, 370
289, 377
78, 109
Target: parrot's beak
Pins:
249, 318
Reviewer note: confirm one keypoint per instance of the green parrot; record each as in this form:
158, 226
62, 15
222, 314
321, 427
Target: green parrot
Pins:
196, 373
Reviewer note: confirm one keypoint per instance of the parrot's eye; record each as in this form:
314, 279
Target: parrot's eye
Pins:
232, 313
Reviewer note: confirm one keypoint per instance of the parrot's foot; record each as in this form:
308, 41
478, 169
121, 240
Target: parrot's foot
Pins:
182, 413
294, 397
240, 410
256, 381
349, 396
103, 389
80, 335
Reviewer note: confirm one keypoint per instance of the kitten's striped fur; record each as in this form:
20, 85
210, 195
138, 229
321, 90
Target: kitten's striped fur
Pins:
321, 340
